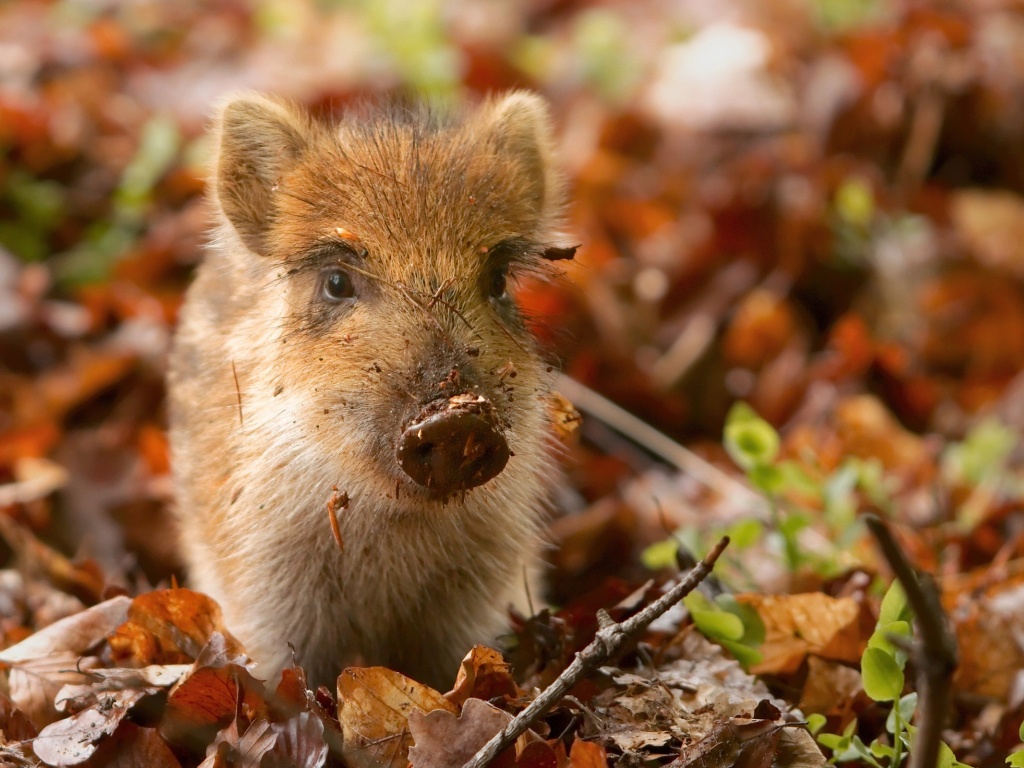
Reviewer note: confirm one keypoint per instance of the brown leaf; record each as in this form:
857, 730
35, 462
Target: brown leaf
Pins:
374, 705
14, 723
244, 750
133, 747
989, 623
208, 698
169, 626
42, 663
484, 674
444, 740
796, 625
587, 754
300, 741
829, 686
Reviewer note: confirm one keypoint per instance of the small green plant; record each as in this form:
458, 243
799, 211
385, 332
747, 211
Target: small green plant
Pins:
736, 627
882, 673
1016, 759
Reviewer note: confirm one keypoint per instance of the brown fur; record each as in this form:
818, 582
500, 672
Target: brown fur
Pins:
323, 391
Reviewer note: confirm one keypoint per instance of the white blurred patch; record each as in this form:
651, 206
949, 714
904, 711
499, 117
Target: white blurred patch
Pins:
720, 80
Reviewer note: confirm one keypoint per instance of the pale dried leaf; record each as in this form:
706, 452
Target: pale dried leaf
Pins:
151, 679
73, 740
374, 704
51, 658
300, 741
75, 634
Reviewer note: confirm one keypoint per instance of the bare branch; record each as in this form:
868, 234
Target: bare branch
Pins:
610, 639
935, 655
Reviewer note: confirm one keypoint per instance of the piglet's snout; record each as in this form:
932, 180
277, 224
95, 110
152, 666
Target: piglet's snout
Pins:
453, 445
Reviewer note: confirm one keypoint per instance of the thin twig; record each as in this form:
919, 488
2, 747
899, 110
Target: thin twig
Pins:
935, 656
610, 639
656, 442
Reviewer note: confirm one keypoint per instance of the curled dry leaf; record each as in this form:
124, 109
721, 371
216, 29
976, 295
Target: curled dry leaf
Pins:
169, 626
245, 750
374, 705
796, 625
300, 741
51, 658
484, 674
208, 697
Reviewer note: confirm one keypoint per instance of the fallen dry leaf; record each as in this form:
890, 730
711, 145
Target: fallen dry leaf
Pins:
73, 740
374, 705
798, 625
587, 754
989, 626
132, 746
829, 686
483, 674
207, 698
300, 741
245, 750
444, 740
51, 658
170, 626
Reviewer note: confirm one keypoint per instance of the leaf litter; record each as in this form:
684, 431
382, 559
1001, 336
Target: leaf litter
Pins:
812, 210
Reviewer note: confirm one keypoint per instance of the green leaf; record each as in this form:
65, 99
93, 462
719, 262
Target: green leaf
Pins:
894, 605
878, 749
767, 478
1016, 759
882, 677
744, 533
1021, 732
661, 554
880, 638
815, 722
750, 440
718, 624
904, 709
744, 654
982, 454
753, 625
834, 741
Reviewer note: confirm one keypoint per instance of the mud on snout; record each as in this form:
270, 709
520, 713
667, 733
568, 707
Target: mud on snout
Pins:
453, 444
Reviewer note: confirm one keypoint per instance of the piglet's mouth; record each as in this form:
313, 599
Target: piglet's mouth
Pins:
453, 445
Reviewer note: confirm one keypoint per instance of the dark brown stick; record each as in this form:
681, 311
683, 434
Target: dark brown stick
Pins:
610, 639
935, 653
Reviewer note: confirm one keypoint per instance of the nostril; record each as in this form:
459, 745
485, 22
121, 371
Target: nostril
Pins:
453, 445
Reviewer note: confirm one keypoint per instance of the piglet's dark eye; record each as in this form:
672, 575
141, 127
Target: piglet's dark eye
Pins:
337, 285
499, 284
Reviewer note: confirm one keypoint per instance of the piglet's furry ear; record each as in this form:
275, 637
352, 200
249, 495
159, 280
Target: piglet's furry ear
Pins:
258, 140
520, 127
